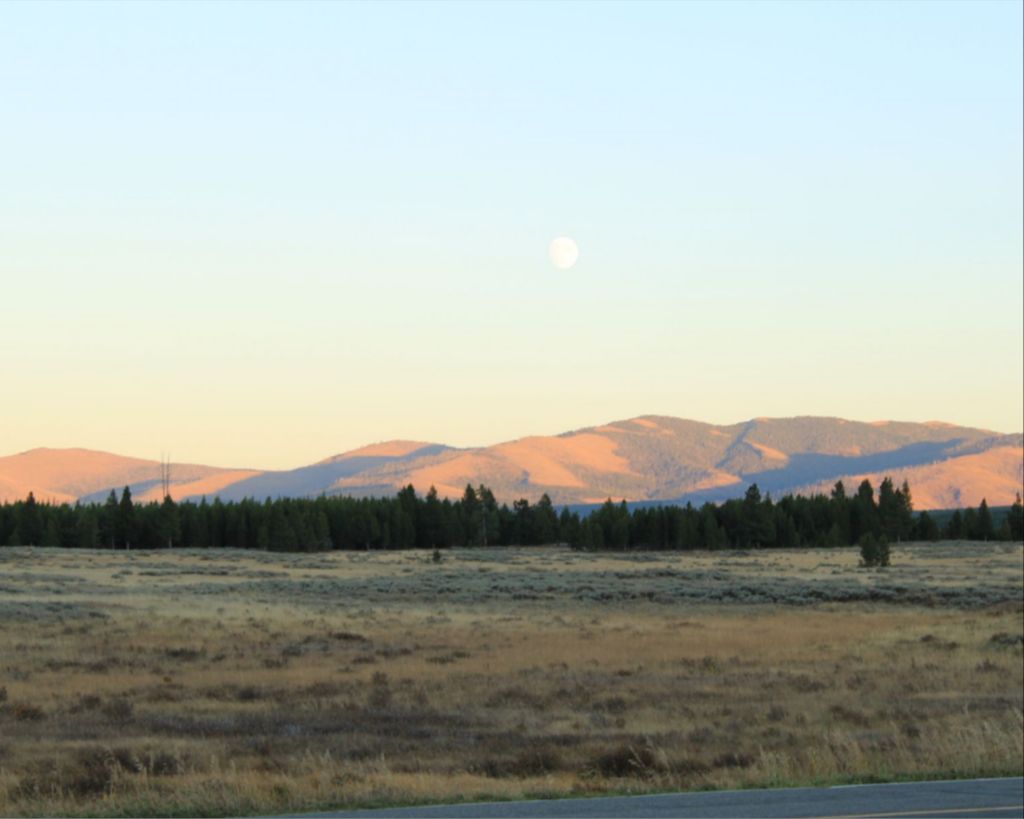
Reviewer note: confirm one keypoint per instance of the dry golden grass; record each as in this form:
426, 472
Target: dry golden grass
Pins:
219, 683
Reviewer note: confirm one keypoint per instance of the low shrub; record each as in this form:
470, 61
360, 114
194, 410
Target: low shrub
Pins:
626, 761
26, 712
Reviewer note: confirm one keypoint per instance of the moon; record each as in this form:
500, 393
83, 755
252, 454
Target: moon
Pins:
563, 252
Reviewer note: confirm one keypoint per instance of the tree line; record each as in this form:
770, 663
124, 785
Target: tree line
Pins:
408, 520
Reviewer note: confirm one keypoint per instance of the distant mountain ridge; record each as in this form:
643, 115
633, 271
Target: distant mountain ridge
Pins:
649, 458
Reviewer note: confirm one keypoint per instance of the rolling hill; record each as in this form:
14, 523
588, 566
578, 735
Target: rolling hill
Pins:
67, 475
645, 459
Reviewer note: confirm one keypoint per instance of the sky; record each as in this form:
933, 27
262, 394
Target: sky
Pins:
258, 234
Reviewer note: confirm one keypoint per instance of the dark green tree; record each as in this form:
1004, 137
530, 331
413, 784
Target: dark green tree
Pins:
712, 535
874, 550
569, 526
545, 521
984, 530
864, 513
320, 532
906, 512
954, 528
87, 533
454, 530
202, 532
169, 523
490, 524
926, 528
433, 528
970, 526
756, 525
620, 527
14, 537
282, 533
109, 520
839, 516
126, 523
786, 535
889, 509
472, 516
30, 523
522, 525
51, 532
1015, 518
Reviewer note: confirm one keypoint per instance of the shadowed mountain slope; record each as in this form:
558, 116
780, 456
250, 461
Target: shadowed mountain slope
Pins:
323, 476
645, 459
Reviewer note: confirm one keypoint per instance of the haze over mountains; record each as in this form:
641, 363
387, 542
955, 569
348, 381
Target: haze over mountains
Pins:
650, 458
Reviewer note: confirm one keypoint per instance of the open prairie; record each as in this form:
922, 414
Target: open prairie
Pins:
228, 682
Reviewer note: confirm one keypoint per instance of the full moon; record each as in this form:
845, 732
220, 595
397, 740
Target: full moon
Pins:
563, 252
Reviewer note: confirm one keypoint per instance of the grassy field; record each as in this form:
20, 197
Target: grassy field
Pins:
219, 682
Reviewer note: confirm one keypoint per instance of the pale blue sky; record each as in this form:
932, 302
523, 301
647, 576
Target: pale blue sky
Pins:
258, 234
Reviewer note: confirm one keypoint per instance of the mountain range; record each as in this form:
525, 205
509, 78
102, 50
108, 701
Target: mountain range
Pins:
645, 459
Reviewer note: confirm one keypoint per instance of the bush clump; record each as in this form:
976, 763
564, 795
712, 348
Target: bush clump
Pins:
874, 551
626, 761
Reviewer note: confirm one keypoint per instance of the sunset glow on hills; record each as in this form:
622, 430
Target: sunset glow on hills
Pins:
641, 459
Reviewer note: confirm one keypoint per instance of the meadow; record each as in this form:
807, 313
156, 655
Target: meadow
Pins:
228, 682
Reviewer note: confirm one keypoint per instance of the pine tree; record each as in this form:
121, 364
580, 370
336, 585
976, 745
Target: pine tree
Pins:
1015, 517
786, 535
201, 531
584, 536
108, 520
490, 524
839, 515
889, 509
691, 527
865, 513
711, 533
970, 525
374, 534
756, 527
453, 532
87, 534
985, 529
282, 535
432, 529
410, 523
906, 511
569, 526
545, 521
301, 526
51, 535
30, 523
620, 527
472, 513
126, 524
926, 528
954, 528
403, 527
170, 523
15, 538
322, 531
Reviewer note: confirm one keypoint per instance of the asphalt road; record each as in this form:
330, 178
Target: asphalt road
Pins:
970, 798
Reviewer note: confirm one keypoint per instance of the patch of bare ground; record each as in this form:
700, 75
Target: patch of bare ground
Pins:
227, 683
